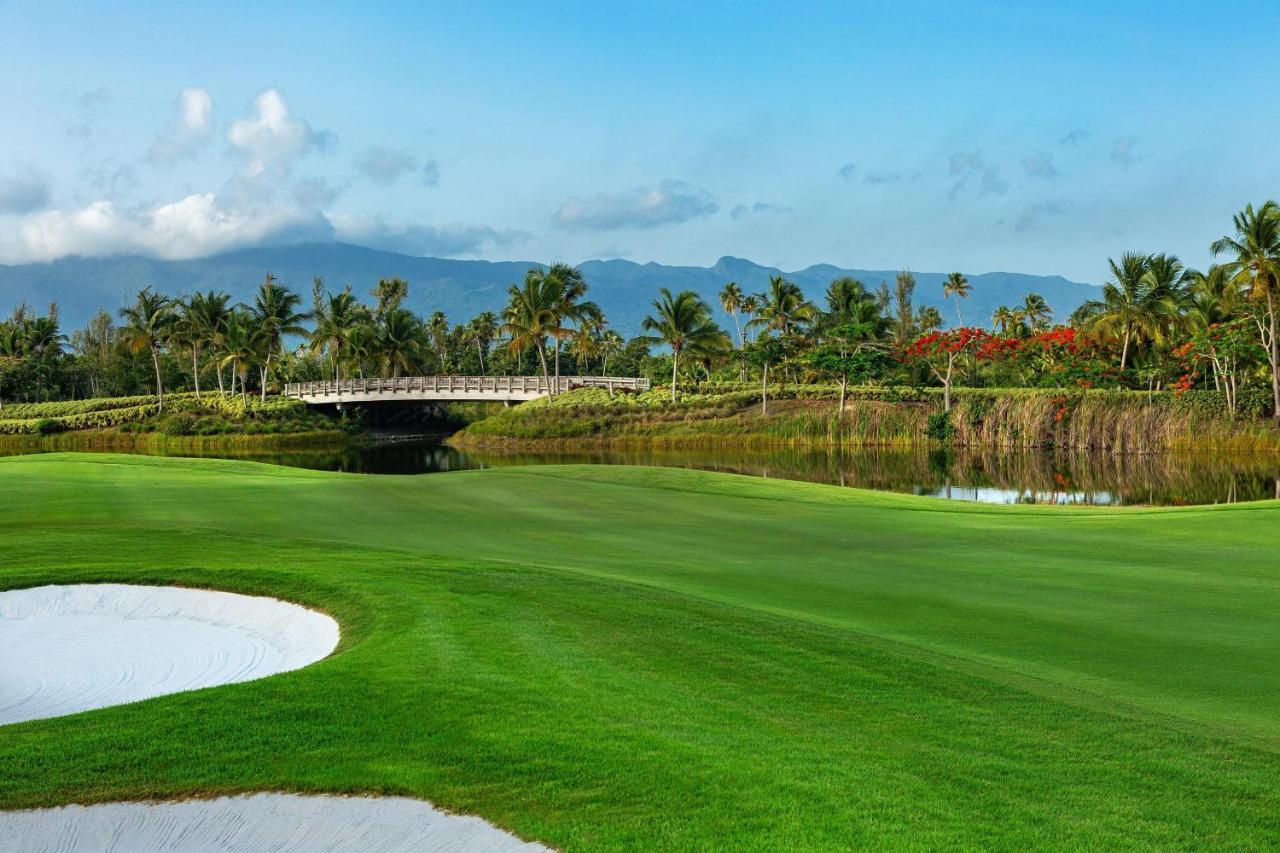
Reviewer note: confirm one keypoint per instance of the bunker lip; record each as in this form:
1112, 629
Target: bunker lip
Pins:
78, 647
285, 823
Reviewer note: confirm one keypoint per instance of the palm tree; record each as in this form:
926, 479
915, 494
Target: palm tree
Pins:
928, 319
200, 323
1255, 269
483, 329
1138, 304
530, 317
682, 322
400, 341
784, 310
565, 288
1003, 319
337, 317
610, 342
42, 339
148, 325
276, 310
245, 343
958, 286
750, 307
731, 299
437, 329
1037, 311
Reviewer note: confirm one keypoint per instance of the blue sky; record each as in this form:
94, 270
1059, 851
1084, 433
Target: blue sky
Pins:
936, 136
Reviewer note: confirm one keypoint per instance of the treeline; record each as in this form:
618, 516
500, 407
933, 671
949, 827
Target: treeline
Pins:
1157, 326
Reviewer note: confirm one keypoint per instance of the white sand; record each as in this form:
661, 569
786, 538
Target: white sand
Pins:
65, 649
281, 823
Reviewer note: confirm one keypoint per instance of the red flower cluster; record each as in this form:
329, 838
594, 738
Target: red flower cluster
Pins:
965, 339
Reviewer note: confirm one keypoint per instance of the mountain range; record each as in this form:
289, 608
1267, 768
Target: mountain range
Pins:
463, 288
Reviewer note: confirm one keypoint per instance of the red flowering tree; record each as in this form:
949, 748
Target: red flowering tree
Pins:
1057, 358
941, 351
1228, 349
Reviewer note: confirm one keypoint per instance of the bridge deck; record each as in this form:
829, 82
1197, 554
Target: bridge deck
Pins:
458, 388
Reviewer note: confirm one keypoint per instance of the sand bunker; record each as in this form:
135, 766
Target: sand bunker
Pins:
281, 823
73, 648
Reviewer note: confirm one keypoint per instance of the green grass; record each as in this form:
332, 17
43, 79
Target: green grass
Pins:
602, 657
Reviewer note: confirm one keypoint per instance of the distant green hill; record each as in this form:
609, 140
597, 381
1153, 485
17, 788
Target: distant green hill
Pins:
463, 288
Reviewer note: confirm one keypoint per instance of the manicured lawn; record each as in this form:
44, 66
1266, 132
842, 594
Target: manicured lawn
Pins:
605, 657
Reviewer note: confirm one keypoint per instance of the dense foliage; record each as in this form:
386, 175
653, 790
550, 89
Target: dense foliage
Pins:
1155, 326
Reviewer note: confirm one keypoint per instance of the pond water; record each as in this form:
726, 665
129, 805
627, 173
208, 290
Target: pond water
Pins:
989, 476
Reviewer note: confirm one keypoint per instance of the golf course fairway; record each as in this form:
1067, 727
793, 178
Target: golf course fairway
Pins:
611, 657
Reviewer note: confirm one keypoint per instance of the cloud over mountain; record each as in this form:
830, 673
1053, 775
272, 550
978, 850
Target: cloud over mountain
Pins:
667, 203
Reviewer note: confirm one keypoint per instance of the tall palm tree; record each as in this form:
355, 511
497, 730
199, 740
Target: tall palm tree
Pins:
437, 329
785, 311
1037, 311
42, 339
275, 308
400, 341
1255, 269
148, 325
731, 299
530, 317
200, 322
610, 342
1137, 305
483, 329
566, 288
957, 286
245, 343
337, 316
750, 307
682, 322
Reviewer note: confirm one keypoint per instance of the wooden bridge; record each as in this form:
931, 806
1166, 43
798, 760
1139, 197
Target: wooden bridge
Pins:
508, 389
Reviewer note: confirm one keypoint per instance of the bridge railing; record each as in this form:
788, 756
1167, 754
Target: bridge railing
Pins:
496, 385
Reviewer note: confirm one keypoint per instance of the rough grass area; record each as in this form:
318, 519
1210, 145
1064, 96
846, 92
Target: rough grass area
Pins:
612, 658
183, 415
804, 415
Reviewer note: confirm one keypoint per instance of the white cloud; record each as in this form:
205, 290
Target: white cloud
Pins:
271, 142
190, 128
191, 227
418, 239
644, 207
25, 190
385, 165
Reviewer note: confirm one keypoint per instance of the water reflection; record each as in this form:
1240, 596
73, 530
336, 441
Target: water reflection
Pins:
987, 476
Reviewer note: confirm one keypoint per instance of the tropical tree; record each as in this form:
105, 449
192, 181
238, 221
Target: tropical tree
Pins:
731, 299
337, 318
957, 286
389, 293
1036, 312
565, 289
928, 319
1255, 269
750, 307
482, 329
200, 323
942, 350
852, 352
610, 342
1137, 305
275, 308
530, 317
149, 325
400, 342
437, 329
245, 344
682, 321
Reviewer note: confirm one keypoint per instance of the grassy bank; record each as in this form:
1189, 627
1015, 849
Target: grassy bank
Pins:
607, 657
1121, 421
184, 415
